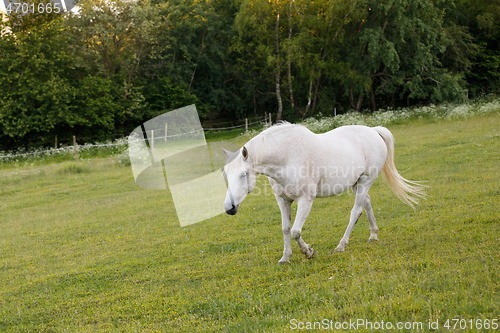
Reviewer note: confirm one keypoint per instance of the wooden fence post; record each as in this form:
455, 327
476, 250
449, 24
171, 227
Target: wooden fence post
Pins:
246, 126
74, 148
56, 141
270, 122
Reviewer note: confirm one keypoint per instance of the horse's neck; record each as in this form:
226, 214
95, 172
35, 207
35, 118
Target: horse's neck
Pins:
266, 169
267, 162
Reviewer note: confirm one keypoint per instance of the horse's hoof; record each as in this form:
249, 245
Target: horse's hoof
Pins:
283, 262
339, 249
310, 253
373, 238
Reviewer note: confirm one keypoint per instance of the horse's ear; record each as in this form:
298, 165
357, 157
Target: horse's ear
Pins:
244, 152
227, 152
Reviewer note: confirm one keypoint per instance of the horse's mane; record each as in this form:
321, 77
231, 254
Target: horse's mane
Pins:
256, 146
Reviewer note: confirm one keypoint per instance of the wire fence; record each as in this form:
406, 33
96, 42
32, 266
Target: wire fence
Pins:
233, 127
117, 143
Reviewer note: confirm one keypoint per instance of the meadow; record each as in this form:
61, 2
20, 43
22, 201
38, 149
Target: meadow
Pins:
83, 249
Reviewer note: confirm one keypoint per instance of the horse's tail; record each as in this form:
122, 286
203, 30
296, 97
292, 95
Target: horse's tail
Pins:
406, 190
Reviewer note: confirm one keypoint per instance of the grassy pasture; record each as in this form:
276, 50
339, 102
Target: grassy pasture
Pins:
83, 249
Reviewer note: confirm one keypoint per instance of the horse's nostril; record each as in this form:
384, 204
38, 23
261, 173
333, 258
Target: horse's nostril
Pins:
232, 211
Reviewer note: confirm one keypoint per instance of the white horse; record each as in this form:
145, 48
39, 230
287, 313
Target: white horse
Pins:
302, 166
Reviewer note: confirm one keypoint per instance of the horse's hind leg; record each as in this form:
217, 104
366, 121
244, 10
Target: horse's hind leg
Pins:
303, 208
371, 218
361, 189
286, 217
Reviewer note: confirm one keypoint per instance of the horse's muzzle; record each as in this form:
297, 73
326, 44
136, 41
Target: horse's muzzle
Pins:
232, 211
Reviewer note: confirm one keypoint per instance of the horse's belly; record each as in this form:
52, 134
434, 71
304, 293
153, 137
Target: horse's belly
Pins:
328, 189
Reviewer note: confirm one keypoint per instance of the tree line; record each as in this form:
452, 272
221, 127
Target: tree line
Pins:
103, 70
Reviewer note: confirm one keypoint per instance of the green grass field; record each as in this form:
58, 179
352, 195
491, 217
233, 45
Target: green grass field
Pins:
83, 249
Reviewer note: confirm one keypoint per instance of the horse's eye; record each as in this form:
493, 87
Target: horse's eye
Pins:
244, 174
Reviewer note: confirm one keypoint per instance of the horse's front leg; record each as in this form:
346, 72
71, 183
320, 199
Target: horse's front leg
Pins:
286, 216
304, 206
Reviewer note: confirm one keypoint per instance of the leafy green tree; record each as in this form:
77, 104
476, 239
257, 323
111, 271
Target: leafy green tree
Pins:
397, 53
109, 37
314, 48
255, 52
310, 39
163, 96
192, 52
96, 105
111, 42
35, 95
480, 18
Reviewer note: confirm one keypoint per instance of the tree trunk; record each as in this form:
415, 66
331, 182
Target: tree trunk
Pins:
357, 107
315, 97
254, 105
372, 92
309, 98
360, 101
196, 63
351, 97
372, 98
278, 93
289, 56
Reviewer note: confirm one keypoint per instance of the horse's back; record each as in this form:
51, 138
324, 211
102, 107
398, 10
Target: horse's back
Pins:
357, 139
353, 132
346, 147
354, 144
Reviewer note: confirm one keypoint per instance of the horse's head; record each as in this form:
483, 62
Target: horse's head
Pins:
240, 179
